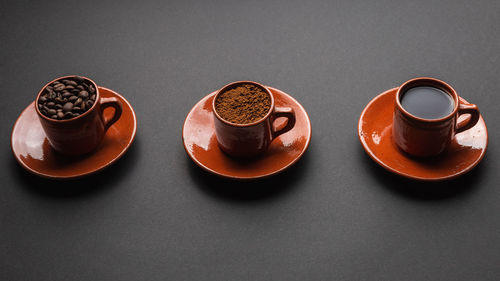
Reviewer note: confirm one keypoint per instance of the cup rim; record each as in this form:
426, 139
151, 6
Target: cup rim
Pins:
432, 82
74, 118
232, 84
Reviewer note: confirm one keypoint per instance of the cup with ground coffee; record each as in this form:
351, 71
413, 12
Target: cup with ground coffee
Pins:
70, 110
244, 115
426, 116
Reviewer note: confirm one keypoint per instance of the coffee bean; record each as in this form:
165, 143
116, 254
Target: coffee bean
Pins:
67, 98
59, 87
84, 94
72, 83
67, 106
78, 102
78, 79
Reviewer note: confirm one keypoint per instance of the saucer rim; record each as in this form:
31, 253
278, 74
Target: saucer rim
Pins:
80, 175
370, 153
233, 177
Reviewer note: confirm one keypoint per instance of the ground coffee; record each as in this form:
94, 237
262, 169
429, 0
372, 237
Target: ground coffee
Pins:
243, 104
67, 98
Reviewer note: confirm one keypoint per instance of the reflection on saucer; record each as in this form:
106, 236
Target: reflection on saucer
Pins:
33, 151
375, 135
201, 144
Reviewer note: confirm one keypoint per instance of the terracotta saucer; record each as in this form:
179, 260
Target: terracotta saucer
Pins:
201, 145
33, 151
375, 127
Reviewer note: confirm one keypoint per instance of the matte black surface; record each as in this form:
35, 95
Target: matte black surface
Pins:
334, 216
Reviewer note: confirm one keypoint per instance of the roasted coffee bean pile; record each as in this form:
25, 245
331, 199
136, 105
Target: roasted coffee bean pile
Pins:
67, 98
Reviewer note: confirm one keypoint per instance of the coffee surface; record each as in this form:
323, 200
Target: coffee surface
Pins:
67, 98
427, 102
243, 104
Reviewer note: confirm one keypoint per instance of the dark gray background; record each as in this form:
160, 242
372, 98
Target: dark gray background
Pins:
334, 216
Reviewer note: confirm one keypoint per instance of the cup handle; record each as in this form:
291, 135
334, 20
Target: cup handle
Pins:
286, 112
468, 122
116, 104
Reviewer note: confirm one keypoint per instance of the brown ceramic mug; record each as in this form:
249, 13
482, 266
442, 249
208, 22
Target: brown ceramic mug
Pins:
429, 137
81, 134
252, 139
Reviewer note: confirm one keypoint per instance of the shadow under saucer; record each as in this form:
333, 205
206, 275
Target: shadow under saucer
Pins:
250, 189
424, 190
77, 187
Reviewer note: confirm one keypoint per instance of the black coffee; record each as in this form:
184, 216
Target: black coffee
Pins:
427, 102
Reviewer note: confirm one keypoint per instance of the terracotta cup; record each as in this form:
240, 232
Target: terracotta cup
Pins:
248, 140
81, 134
430, 137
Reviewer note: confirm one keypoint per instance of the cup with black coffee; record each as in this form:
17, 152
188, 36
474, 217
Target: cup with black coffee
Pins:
244, 115
70, 110
426, 116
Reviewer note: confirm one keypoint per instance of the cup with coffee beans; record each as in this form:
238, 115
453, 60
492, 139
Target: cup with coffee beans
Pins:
244, 115
426, 116
70, 110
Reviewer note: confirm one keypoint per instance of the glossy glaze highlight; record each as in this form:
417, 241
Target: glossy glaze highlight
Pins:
32, 150
375, 134
201, 144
